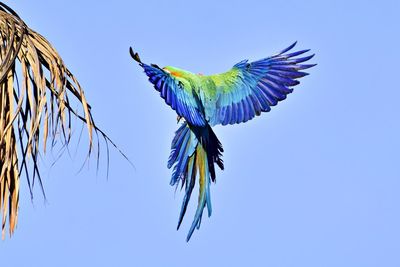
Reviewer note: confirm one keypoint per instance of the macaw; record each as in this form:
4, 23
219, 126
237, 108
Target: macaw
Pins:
203, 101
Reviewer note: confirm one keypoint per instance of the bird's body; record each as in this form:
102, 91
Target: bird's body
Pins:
209, 88
236, 96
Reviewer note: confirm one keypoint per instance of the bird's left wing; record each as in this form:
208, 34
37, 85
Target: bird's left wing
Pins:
182, 99
251, 88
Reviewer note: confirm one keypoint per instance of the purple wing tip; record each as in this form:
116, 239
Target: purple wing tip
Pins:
288, 48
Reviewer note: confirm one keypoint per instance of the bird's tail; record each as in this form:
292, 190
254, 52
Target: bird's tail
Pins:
194, 151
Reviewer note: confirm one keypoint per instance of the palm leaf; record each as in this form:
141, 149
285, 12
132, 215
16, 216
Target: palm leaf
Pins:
38, 95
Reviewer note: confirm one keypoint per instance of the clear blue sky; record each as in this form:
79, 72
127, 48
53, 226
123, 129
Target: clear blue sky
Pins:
315, 182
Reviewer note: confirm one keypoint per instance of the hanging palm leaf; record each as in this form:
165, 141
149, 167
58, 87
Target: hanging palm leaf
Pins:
38, 95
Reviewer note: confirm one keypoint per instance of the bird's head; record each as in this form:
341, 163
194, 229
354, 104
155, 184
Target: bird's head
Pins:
176, 72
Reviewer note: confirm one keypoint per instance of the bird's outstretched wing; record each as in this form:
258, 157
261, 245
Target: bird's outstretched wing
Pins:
251, 88
182, 99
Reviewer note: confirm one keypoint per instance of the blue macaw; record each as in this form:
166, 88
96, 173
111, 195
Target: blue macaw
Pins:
236, 96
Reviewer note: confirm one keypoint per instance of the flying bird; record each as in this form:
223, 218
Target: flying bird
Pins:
203, 101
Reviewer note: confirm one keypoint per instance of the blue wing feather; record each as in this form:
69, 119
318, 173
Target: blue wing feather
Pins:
258, 86
182, 100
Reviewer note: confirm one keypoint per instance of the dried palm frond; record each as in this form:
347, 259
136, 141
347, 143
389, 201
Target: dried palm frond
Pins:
37, 92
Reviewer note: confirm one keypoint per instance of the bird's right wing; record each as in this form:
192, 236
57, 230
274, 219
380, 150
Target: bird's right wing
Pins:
251, 88
182, 99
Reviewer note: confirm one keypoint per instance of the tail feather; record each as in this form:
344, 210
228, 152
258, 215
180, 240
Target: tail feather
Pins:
204, 181
177, 143
182, 148
212, 146
192, 173
194, 151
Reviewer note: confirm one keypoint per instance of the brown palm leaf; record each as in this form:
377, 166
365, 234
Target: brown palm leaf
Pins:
36, 98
